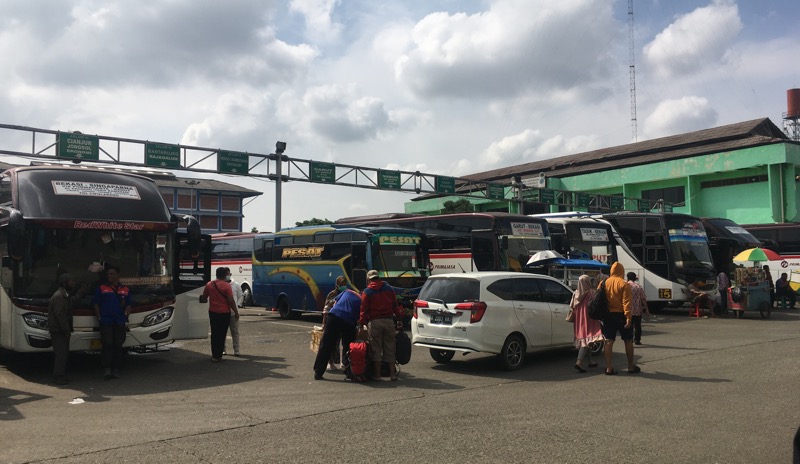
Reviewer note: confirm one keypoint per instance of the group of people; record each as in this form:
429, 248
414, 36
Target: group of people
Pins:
375, 310
626, 306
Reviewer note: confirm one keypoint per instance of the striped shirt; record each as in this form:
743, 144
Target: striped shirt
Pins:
638, 300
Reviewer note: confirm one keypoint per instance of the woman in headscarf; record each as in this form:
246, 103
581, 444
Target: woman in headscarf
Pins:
587, 330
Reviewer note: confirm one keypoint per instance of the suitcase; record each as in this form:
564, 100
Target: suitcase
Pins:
358, 361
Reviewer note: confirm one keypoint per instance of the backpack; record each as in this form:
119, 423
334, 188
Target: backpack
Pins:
598, 307
358, 362
402, 348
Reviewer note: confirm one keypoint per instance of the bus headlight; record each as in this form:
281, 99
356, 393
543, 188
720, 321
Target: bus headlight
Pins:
158, 317
35, 320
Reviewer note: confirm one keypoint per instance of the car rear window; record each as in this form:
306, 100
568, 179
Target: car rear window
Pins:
451, 290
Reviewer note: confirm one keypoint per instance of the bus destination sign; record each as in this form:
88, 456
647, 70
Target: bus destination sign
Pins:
78, 146
162, 155
95, 189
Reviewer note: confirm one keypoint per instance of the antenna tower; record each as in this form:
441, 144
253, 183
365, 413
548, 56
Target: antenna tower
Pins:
632, 71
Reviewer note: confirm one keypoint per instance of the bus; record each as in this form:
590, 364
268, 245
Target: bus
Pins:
668, 251
466, 242
234, 250
727, 239
784, 239
294, 269
78, 220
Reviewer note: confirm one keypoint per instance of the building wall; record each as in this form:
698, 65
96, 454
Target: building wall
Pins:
754, 185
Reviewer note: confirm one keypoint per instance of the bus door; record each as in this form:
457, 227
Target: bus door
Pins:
357, 267
484, 252
655, 246
190, 274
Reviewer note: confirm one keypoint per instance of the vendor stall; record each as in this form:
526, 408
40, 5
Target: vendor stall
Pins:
750, 291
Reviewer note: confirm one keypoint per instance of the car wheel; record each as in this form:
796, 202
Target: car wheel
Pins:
512, 355
247, 296
283, 309
442, 356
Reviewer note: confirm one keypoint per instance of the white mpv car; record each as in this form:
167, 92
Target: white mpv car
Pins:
504, 313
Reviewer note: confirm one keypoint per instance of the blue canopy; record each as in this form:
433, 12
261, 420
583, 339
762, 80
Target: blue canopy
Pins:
581, 263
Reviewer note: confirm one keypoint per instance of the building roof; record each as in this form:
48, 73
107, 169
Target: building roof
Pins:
719, 139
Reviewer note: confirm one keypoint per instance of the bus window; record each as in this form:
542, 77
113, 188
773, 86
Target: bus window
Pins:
483, 251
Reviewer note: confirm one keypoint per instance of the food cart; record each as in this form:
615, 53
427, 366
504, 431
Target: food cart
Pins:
750, 291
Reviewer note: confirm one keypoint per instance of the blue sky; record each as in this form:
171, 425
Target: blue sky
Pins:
447, 87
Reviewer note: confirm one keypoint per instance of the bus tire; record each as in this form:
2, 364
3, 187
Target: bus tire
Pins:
283, 309
247, 296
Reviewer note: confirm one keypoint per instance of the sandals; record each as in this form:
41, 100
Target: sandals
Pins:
580, 369
611, 372
636, 369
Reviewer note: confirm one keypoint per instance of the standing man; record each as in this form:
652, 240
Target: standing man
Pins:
379, 308
340, 324
237, 298
59, 322
112, 305
638, 303
219, 296
341, 286
619, 318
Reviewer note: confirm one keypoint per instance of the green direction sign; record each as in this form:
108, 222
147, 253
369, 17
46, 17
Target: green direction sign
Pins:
162, 155
667, 208
547, 196
388, 179
233, 162
644, 205
582, 200
445, 184
323, 172
495, 191
617, 203
78, 146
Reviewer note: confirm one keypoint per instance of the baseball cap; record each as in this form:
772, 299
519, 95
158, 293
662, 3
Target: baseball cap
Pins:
373, 274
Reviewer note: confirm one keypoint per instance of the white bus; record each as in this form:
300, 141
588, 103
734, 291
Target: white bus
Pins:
78, 220
234, 250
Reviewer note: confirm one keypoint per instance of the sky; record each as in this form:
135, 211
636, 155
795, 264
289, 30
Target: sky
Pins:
446, 87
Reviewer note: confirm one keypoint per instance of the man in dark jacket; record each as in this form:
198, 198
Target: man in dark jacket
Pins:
379, 308
59, 323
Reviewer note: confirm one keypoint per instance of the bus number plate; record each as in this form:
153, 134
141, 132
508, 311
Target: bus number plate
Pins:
665, 293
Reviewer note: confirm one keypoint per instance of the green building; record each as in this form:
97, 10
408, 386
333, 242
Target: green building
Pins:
747, 172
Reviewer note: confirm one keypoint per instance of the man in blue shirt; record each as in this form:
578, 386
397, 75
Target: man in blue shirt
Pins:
340, 322
112, 305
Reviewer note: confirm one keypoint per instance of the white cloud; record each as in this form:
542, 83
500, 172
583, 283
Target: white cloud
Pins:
695, 41
317, 13
677, 116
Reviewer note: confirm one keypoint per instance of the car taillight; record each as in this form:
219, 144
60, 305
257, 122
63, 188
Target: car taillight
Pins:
476, 310
419, 304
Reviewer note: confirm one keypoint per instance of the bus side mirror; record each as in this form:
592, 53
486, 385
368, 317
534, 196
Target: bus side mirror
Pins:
16, 235
194, 234
504, 242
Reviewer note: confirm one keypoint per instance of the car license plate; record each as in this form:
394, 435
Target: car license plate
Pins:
441, 319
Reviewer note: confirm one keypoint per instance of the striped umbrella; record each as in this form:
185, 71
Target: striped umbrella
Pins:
756, 255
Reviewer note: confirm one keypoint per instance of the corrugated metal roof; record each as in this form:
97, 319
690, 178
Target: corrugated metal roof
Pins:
724, 138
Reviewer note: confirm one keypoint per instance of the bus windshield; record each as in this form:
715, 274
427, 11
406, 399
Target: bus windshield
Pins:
590, 241
521, 248
689, 244
398, 255
83, 253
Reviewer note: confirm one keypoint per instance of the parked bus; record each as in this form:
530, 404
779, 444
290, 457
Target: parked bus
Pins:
294, 269
727, 239
234, 250
77, 220
784, 239
465, 242
668, 251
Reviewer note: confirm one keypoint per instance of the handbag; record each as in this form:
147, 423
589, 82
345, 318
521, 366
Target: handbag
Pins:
598, 307
570, 316
402, 348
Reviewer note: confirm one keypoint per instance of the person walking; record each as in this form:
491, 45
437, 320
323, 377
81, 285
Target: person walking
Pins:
59, 323
638, 305
341, 286
587, 330
619, 319
340, 324
236, 289
379, 308
112, 305
219, 296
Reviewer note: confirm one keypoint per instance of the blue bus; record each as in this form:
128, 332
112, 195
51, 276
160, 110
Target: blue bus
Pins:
294, 269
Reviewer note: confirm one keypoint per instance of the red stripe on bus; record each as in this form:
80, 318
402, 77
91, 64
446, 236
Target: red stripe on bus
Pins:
450, 255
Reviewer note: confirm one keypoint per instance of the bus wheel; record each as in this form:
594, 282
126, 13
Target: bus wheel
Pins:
283, 309
247, 296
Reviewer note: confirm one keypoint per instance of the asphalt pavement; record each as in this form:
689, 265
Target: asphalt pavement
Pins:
712, 390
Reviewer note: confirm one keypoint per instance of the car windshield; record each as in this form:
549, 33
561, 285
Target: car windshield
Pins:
450, 290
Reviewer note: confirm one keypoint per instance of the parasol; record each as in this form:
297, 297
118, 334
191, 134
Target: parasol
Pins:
545, 255
757, 255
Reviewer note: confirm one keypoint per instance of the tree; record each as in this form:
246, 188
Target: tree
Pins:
460, 206
254, 230
313, 222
